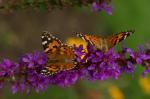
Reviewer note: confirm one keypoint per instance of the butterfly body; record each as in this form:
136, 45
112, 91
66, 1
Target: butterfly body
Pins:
60, 56
103, 43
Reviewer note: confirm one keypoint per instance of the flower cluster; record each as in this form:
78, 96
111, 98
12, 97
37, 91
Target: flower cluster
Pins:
92, 65
98, 65
23, 75
102, 6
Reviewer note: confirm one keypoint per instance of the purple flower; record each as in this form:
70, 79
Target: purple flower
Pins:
14, 88
31, 60
7, 71
99, 65
64, 78
7, 68
37, 81
108, 70
90, 48
78, 52
102, 6
18, 86
24, 75
138, 56
146, 71
128, 67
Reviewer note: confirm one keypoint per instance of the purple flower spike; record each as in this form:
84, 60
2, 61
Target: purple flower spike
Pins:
102, 6
92, 65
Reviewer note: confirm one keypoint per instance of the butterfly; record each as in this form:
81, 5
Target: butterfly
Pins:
60, 56
104, 44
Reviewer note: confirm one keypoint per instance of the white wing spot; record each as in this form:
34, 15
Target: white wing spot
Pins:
53, 37
49, 39
42, 36
44, 70
125, 36
44, 42
50, 34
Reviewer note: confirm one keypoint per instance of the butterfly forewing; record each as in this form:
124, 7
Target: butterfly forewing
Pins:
89, 38
50, 43
60, 56
115, 39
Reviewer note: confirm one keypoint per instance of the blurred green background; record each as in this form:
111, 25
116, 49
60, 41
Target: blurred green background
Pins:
20, 33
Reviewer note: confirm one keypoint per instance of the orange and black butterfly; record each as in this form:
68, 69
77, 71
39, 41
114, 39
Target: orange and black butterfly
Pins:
105, 43
60, 56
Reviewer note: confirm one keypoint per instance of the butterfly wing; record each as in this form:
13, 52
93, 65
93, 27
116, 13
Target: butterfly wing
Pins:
89, 38
96, 41
50, 43
68, 56
60, 56
105, 43
115, 39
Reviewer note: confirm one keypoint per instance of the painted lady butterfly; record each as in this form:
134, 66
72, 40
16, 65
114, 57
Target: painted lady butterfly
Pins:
105, 43
60, 56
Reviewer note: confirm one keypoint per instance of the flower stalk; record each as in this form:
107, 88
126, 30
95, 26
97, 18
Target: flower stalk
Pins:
49, 5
